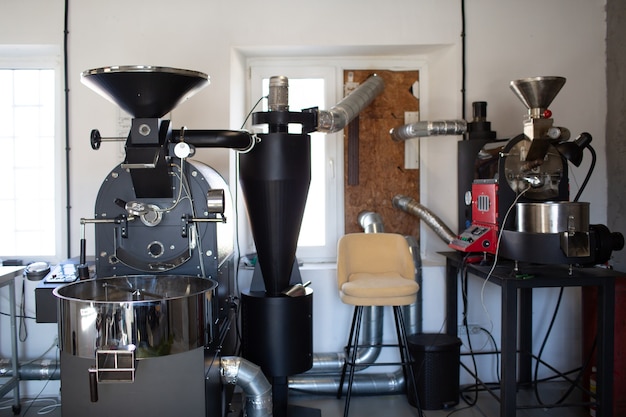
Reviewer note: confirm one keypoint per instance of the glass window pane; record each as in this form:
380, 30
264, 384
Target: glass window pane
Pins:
305, 93
27, 201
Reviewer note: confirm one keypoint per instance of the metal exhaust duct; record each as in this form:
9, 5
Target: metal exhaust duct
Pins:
258, 391
371, 222
411, 206
338, 117
382, 383
428, 128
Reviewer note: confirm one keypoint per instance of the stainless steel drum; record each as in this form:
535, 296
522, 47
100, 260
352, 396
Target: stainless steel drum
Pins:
552, 217
159, 315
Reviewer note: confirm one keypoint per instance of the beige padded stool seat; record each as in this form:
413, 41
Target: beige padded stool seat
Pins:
375, 269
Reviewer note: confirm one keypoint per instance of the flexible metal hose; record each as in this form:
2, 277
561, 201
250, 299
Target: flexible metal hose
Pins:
428, 128
411, 206
338, 117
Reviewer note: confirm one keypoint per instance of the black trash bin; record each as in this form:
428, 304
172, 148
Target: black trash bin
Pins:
436, 369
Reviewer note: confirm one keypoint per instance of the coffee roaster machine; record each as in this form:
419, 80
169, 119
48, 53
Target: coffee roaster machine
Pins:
523, 211
513, 194
148, 332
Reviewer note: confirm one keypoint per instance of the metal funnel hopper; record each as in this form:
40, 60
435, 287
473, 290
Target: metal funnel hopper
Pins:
144, 91
537, 92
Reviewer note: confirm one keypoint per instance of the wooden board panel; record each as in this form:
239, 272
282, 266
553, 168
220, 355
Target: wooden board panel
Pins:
381, 172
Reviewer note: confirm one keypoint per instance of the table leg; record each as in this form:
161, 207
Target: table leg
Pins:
525, 335
452, 294
508, 383
605, 352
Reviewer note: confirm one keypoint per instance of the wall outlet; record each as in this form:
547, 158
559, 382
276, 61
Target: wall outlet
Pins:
472, 328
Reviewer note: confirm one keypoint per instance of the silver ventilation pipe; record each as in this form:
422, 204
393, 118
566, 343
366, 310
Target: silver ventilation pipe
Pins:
329, 363
338, 117
371, 222
37, 370
248, 376
426, 128
382, 383
413, 312
411, 206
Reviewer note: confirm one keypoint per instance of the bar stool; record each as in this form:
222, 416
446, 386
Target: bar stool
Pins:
376, 269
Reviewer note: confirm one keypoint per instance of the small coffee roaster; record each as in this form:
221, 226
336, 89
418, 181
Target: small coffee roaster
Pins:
514, 194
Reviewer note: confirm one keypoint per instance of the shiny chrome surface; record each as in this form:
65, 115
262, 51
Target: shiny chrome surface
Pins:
160, 315
144, 68
145, 91
537, 92
539, 179
552, 217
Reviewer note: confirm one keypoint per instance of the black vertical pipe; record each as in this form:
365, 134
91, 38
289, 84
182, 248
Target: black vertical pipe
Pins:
67, 128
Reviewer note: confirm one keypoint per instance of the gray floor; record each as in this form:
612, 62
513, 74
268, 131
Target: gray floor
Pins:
378, 406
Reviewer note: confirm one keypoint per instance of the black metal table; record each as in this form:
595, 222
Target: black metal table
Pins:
516, 326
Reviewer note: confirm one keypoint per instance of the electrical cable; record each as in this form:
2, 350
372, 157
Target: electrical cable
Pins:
580, 370
495, 348
252, 110
495, 256
543, 345
180, 188
589, 172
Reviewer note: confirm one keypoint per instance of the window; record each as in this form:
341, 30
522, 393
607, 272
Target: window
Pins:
323, 218
29, 139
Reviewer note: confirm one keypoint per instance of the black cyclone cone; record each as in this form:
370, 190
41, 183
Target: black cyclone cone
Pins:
275, 177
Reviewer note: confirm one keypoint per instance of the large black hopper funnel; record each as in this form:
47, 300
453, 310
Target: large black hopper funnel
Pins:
145, 91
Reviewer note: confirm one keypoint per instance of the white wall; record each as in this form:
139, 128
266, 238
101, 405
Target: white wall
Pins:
506, 40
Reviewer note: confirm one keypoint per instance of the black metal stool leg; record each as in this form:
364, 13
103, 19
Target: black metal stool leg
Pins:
347, 352
351, 361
